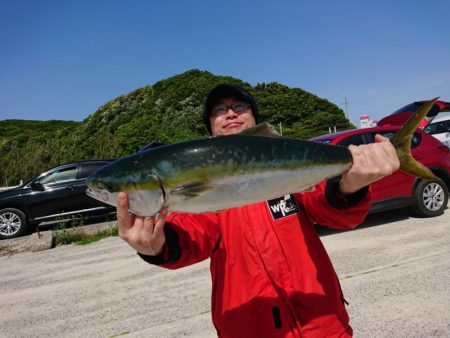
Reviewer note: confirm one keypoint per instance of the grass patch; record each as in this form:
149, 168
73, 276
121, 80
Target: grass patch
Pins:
98, 236
6, 250
67, 236
78, 235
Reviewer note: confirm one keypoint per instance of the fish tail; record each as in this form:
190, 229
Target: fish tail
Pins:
402, 144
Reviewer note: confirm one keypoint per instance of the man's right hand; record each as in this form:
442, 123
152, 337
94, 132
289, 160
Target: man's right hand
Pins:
144, 234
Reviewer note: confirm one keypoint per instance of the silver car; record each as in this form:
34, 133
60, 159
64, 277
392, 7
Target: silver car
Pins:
440, 128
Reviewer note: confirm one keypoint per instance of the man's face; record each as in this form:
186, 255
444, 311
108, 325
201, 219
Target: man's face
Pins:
230, 116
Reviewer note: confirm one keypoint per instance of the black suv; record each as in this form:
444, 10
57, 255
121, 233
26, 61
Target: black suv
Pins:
56, 194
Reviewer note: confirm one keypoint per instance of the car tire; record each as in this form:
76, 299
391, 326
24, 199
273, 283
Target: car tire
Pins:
430, 198
13, 223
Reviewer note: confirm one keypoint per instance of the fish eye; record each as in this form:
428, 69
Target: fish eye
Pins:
109, 187
99, 185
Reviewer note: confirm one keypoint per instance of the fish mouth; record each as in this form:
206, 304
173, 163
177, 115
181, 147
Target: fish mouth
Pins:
102, 196
91, 193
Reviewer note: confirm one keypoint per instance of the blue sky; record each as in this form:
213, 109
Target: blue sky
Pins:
64, 59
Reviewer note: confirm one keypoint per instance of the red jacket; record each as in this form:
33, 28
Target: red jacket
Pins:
270, 272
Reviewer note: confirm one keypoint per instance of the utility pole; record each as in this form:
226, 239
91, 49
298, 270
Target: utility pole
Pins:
346, 106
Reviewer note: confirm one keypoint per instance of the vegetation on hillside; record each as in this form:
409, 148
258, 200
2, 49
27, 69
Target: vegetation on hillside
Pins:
169, 111
26, 147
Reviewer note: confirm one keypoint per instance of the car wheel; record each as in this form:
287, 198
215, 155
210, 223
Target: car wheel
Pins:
430, 198
13, 223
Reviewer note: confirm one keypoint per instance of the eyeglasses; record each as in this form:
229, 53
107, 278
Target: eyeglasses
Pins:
237, 107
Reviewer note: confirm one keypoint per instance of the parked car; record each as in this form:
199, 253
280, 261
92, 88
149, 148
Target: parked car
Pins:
426, 198
56, 194
399, 117
440, 128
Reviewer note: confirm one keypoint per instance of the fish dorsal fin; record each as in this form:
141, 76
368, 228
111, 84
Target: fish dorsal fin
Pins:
261, 129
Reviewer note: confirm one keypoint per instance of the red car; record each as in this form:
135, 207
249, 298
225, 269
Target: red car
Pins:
426, 198
399, 117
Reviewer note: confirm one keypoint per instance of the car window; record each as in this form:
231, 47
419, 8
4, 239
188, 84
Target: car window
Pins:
89, 168
356, 140
60, 175
415, 140
438, 127
388, 134
446, 125
366, 138
324, 140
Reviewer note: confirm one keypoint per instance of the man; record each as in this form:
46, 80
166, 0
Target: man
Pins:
270, 272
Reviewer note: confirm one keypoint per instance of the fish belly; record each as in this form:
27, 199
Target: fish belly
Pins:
236, 191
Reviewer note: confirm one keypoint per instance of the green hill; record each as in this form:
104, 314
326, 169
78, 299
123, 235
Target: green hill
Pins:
26, 147
169, 111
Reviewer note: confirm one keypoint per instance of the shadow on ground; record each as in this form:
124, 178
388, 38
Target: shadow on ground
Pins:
372, 220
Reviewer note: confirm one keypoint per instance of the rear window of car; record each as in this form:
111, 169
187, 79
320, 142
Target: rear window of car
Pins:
88, 168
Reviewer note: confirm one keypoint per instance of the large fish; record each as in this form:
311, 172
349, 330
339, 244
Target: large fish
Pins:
208, 175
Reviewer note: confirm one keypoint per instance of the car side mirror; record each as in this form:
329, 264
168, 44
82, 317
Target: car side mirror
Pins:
36, 185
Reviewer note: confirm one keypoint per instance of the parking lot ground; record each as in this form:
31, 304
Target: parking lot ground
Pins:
394, 271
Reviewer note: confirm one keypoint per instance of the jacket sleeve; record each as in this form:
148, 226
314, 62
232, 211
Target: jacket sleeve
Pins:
328, 207
190, 238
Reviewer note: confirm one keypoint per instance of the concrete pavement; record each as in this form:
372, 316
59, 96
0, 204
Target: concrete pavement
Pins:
394, 271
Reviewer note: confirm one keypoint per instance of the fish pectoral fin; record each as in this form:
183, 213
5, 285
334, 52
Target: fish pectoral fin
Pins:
261, 129
191, 189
